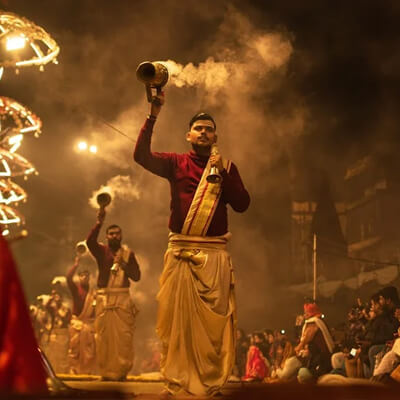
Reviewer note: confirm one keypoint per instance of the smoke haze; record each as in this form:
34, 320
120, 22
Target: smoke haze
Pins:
296, 91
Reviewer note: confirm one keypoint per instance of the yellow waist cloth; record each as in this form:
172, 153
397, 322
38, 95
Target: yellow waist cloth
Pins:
196, 316
112, 290
206, 242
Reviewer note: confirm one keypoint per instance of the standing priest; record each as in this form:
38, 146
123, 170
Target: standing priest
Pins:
196, 316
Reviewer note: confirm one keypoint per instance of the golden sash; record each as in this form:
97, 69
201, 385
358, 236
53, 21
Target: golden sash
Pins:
204, 204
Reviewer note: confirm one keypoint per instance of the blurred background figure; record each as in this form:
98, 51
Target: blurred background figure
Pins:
242, 346
58, 344
257, 365
152, 363
41, 320
82, 345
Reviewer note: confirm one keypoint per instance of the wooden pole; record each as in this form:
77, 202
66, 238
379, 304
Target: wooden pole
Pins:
314, 267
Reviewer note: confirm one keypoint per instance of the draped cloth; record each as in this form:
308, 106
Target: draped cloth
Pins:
82, 346
196, 317
256, 365
323, 328
114, 325
57, 350
21, 368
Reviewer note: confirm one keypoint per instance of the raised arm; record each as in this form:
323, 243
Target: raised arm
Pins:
70, 276
94, 247
160, 164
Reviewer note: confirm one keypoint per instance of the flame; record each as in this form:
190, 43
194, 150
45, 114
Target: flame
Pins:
15, 43
20, 31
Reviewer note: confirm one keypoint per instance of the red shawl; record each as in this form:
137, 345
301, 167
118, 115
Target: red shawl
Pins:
21, 368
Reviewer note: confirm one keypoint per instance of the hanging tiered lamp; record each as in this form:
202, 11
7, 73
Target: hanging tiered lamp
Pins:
22, 44
16, 121
10, 192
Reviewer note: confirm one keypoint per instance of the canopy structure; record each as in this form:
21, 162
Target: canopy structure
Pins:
10, 192
23, 43
16, 120
9, 215
12, 164
327, 288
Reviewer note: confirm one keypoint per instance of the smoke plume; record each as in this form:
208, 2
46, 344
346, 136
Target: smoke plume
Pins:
119, 188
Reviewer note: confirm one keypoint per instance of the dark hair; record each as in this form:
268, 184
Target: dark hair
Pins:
390, 292
375, 298
113, 226
204, 116
259, 334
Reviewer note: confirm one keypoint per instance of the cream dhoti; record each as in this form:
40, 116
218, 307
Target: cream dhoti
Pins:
82, 346
196, 315
114, 325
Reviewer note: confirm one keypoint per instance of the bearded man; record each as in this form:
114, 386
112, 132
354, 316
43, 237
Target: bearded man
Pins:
196, 316
115, 311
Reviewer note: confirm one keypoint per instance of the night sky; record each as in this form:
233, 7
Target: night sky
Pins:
328, 97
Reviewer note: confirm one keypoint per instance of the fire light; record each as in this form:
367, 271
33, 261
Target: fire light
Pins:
12, 164
18, 31
15, 142
82, 146
93, 149
15, 43
10, 192
15, 121
9, 215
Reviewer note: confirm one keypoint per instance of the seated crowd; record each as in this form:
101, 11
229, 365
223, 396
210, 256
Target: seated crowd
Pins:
368, 345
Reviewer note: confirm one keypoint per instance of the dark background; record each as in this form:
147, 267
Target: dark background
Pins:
330, 98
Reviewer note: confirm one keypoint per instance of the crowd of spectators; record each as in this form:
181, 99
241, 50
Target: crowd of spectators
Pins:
366, 346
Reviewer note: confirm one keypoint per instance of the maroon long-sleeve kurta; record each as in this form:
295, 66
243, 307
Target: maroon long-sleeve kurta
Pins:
78, 292
105, 260
184, 172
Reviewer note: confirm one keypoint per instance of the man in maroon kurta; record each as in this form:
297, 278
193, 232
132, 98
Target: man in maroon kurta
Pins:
196, 316
106, 255
79, 290
115, 311
183, 172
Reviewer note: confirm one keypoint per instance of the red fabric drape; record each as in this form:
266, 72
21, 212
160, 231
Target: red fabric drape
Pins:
21, 369
256, 367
